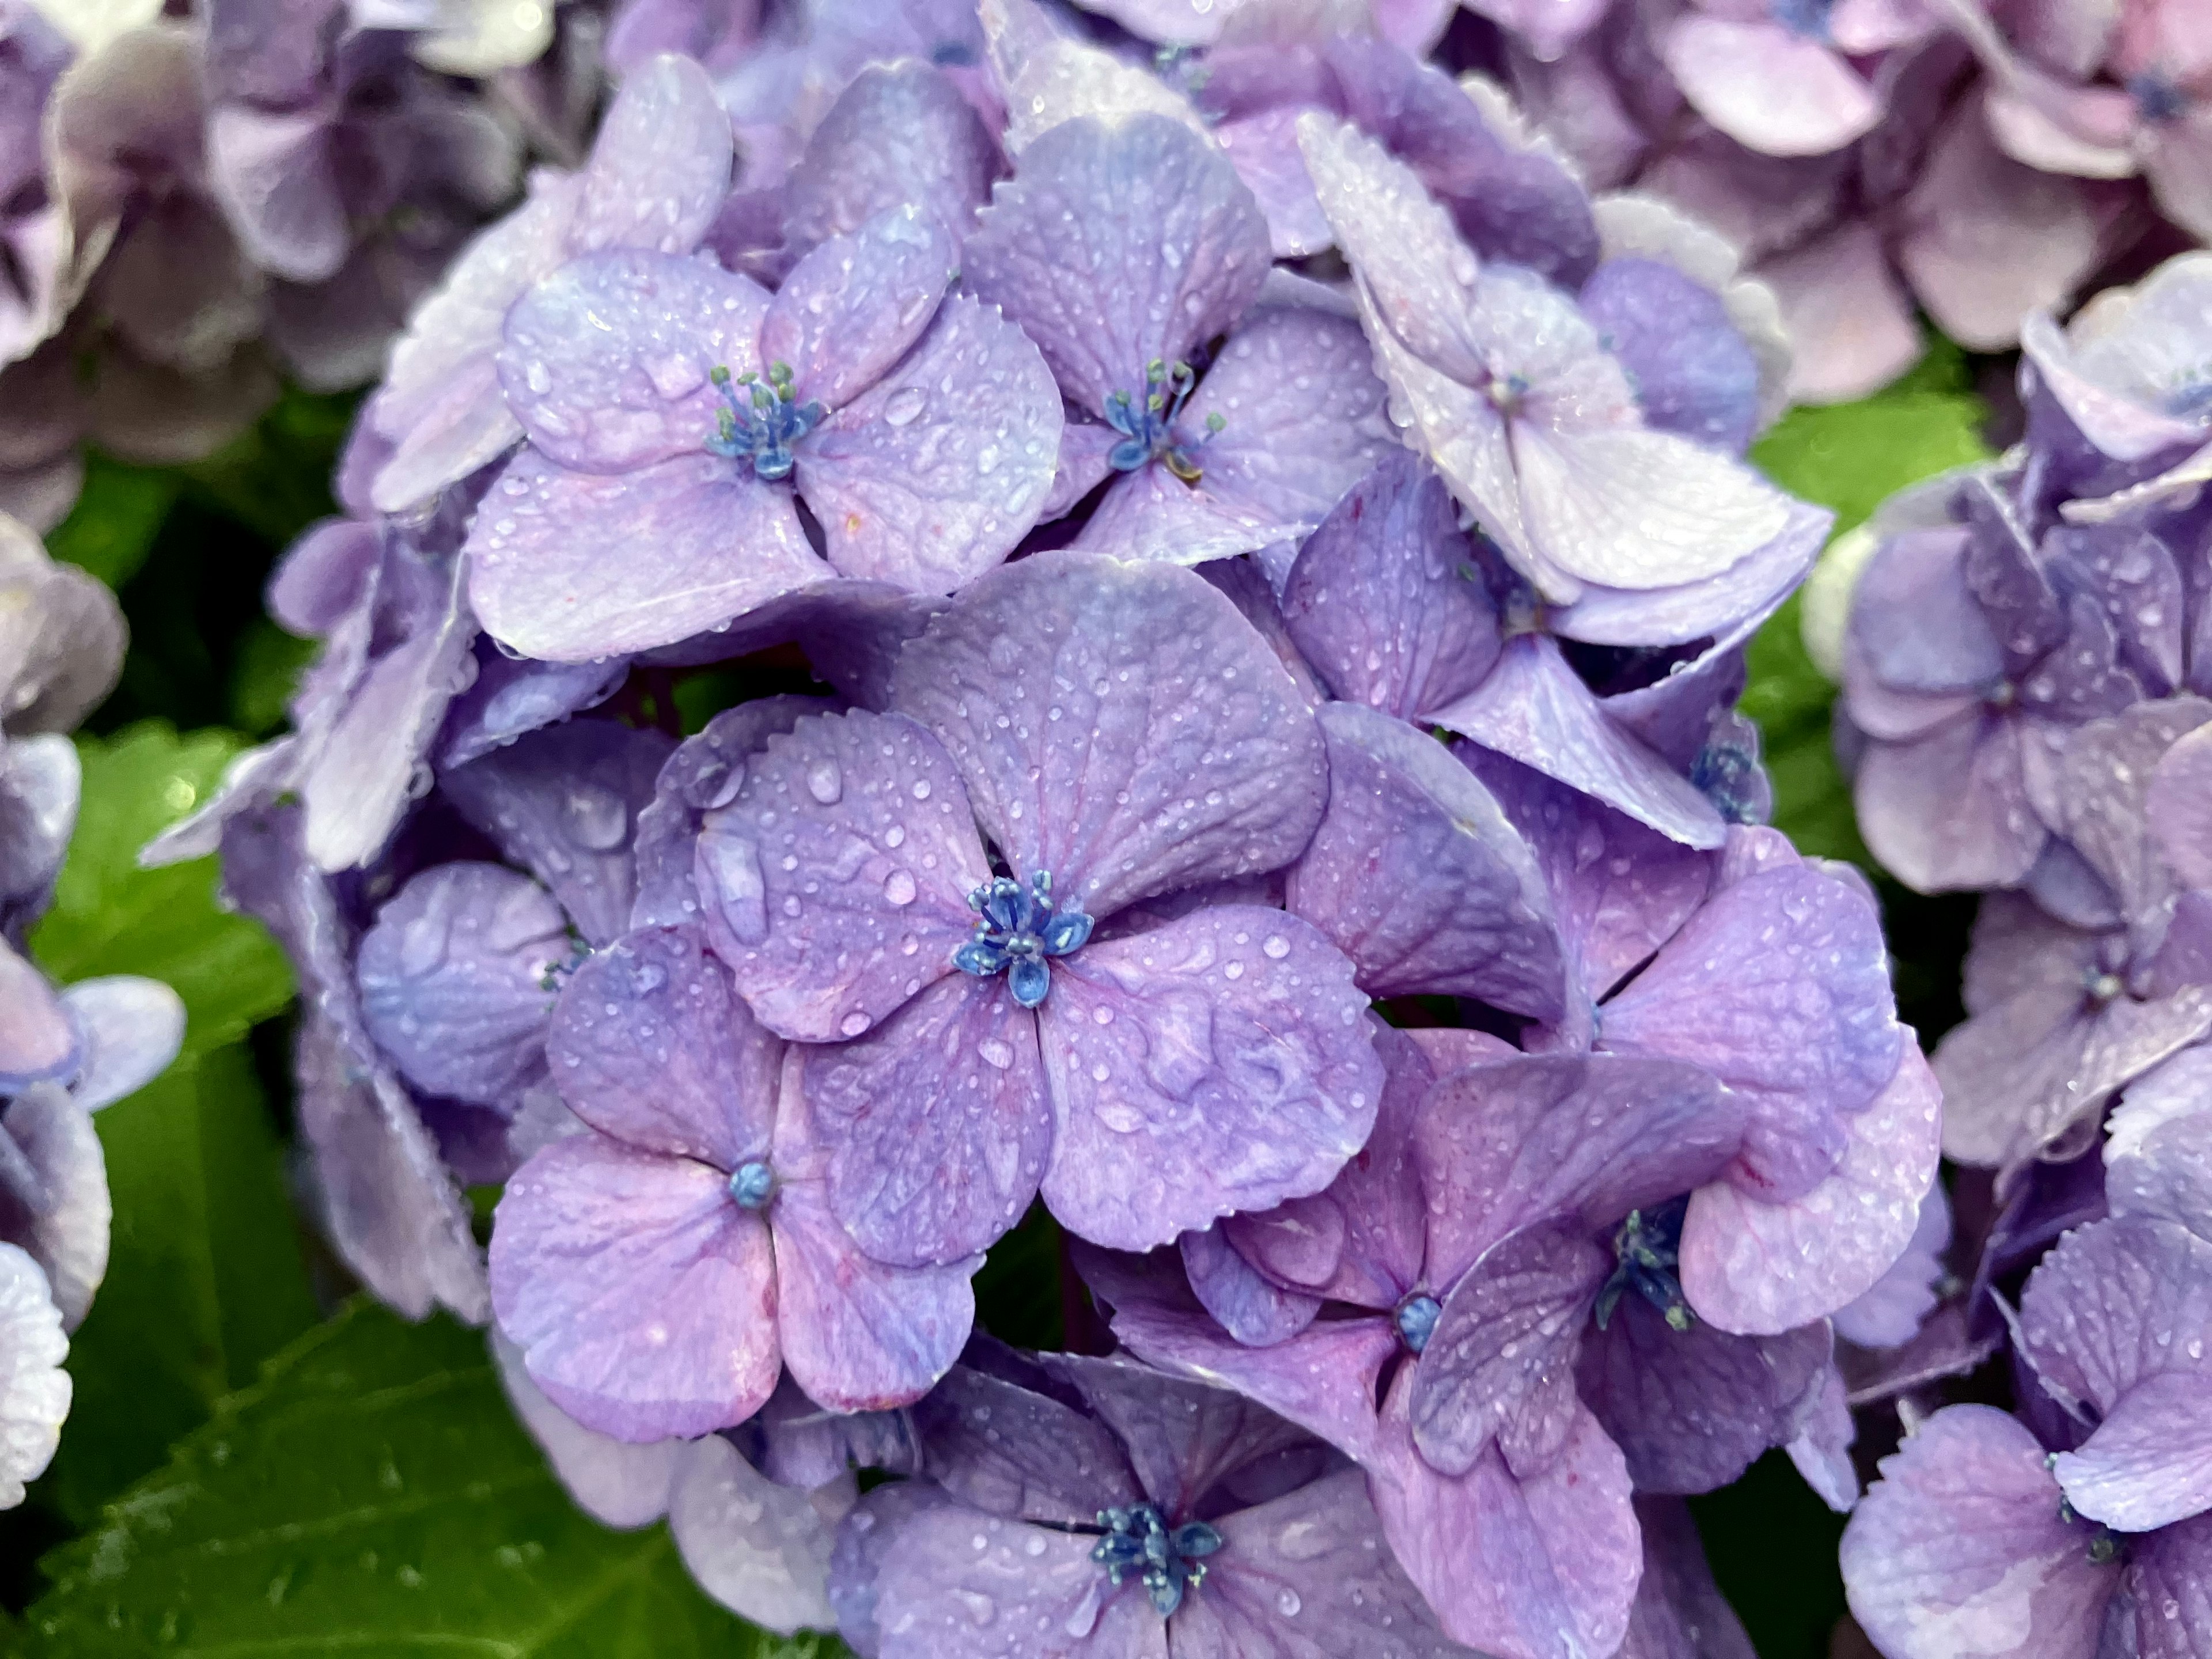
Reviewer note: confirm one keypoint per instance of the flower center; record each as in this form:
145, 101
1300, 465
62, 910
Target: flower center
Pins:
1017, 930
1148, 427
1138, 1541
752, 1184
1506, 392
1648, 1249
2156, 97
1416, 1319
760, 420
1806, 18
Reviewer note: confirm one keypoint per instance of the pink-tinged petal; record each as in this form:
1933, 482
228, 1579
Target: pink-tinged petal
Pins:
760, 1549
706, 544
1680, 1612
858, 1336
900, 132
1117, 244
387, 1198
927, 489
456, 979
272, 170
1692, 1409
1181, 754
1216, 1063
1417, 875
1990, 240
1535, 1137
616, 1483
1821, 1448
37, 1040
660, 165
1849, 322
1388, 579
938, 1122
1729, 605
1617, 907
1780, 987
2117, 1303
51, 1139
441, 407
1560, 1549
1263, 147
2179, 807
1048, 1599
1950, 810
606, 362
1309, 1568
1959, 1548
1534, 708
1500, 1365
2166, 1594
1251, 1308
852, 308
2148, 1464
562, 802
1760, 1268
2158, 1150
1765, 86
836, 881
650, 1047
641, 1294
1084, 447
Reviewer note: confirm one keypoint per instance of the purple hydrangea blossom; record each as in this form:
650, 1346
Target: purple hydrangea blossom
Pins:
1118, 734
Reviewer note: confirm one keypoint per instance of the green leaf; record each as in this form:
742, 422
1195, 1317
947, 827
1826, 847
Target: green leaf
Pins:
117, 513
375, 1495
205, 1276
111, 917
1849, 457
264, 674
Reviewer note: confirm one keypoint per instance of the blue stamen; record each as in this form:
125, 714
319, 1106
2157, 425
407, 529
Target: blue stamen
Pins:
760, 420
2157, 98
1148, 432
752, 1184
1416, 1319
1017, 930
1138, 1541
1649, 1249
1806, 18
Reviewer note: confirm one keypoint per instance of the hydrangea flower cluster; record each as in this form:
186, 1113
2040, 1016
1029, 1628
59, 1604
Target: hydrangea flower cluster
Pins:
2018, 656
1032, 658
63, 1054
190, 207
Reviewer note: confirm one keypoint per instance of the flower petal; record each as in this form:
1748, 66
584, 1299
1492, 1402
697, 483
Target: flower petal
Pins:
1769, 88
1181, 754
133, 1028
899, 132
643, 1296
37, 1040
1215, 1063
660, 165
2115, 1303
35, 1389
1694, 373
854, 307
66, 1234
616, 1483
760, 1549
2148, 1464
1253, 1309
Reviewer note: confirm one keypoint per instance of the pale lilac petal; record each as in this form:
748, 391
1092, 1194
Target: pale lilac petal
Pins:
660, 165
649, 1046
1780, 987
937, 1121
606, 362
1417, 876
1263, 147
457, 980
1821, 1449
1001, 1446
900, 132
2158, 1150
1182, 753
1850, 323
851, 309
837, 880
2117, 1303
1252, 1308
52, 1139
616, 1483
1768, 87
1693, 372
1217, 1063
37, 1039
35, 1389
705, 545
1760, 1268
1389, 580
2167, 1598
1692, 1409
1534, 708
1560, 1552
133, 1027
642, 1295
1152, 514
1181, 1438
2179, 807
706, 772
928, 488
510, 698
1726, 607
1310, 1568
274, 173
1500, 1364
1891, 1313
563, 802
1950, 810
760, 1549
1960, 1549
1117, 245
2148, 1464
